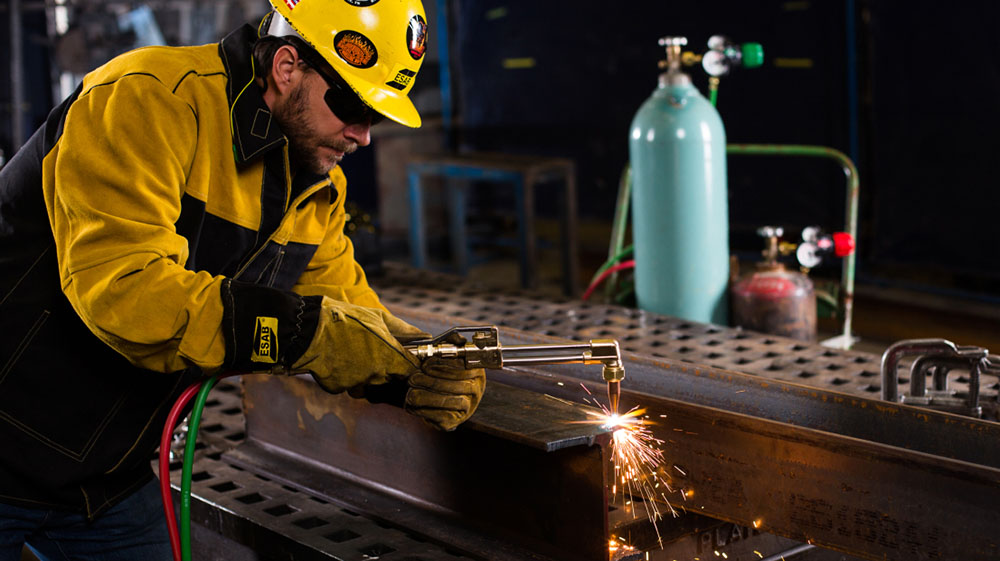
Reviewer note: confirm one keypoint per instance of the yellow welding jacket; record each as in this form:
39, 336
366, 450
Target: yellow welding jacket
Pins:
161, 177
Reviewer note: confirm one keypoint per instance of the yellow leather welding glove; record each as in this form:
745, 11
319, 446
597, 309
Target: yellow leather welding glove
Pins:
444, 393
395, 391
352, 346
402, 331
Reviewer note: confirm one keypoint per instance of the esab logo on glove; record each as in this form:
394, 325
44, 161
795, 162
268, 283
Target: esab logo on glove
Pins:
265, 338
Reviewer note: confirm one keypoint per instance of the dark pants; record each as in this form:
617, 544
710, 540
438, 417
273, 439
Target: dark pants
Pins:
133, 529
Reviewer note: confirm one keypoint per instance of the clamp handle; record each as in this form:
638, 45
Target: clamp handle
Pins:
933, 352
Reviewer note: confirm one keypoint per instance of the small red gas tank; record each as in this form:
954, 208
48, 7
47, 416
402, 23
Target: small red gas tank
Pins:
772, 299
776, 301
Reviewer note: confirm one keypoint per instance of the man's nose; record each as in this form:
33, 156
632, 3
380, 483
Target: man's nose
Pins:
360, 133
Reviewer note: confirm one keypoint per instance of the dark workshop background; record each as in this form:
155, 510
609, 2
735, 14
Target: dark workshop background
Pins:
909, 90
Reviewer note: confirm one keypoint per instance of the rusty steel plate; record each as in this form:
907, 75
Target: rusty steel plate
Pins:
272, 519
522, 457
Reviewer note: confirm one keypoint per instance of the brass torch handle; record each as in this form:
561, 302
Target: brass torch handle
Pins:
491, 354
485, 351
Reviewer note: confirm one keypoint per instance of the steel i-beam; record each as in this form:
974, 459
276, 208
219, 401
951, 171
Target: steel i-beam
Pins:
520, 480
866, 477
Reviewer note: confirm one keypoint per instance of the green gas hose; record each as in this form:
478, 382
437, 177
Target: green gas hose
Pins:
194, 421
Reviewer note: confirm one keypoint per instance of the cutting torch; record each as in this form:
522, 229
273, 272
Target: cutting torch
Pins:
479, 347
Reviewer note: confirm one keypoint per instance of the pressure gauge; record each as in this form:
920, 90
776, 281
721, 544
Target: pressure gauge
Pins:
808, 255
715, 63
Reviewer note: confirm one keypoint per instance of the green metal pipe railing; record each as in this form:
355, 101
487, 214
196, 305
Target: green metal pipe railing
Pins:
619, 226
851, 209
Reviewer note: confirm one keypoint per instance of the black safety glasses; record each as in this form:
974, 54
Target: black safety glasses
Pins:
341, 99
346, 104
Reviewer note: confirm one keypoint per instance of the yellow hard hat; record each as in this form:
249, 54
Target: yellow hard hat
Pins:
377, 46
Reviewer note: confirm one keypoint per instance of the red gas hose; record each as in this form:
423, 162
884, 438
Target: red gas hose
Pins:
607, 273
165, 438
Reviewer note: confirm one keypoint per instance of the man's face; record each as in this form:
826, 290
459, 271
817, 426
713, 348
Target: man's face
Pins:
317, 139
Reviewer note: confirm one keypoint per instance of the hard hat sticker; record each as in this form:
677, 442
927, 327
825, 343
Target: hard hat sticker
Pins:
403, 78
361, 3
356, 49
416, 37
291, 4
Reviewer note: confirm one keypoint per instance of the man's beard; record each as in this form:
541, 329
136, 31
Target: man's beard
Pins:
303, 140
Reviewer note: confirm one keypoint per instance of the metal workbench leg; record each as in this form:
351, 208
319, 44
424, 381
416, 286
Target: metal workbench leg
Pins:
418, 237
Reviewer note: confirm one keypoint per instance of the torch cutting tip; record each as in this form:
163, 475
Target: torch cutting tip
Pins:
614, 394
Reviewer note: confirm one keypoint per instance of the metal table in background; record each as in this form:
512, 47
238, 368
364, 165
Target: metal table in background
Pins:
523, 174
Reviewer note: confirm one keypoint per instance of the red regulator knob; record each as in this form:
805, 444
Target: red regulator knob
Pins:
843, 244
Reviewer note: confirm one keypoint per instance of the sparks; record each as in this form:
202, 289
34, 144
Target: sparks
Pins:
615, 546
637, 461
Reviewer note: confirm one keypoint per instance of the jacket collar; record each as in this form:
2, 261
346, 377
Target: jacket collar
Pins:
254, 129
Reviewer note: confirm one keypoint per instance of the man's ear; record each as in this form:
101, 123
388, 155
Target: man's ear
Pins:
284, 69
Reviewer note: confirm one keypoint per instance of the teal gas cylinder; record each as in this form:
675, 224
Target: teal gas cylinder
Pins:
680, 214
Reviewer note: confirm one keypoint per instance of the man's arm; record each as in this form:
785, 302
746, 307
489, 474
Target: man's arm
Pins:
113, 190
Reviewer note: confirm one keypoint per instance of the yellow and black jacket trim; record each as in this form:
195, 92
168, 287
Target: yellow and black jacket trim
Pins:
152, 211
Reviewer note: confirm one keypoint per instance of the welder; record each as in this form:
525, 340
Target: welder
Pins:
182, 213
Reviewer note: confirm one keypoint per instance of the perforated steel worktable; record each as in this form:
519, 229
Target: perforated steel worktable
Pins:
251, 516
